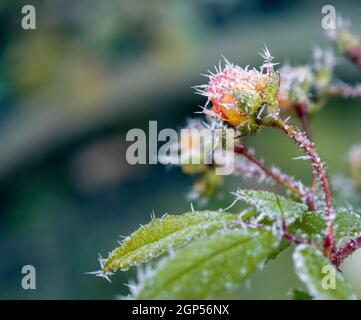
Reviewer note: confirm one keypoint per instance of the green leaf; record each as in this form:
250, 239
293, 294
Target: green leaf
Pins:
271, 205
348, 224
208, 267
311, 224
162, 234
300, 295
321, 278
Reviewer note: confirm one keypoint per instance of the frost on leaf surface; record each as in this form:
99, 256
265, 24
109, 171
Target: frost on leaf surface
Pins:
162, 234
322, 280
209, 267
347, 223
272, 205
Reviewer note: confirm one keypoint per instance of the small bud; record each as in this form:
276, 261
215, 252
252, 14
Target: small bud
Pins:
306, 86
200, 141
295, 84
346, 41
323, 65
193, 148
239, 95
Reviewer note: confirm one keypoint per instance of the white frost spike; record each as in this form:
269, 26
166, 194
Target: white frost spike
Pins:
302, 158
231, 205
192, 208
266, 55
100, 273
268, 58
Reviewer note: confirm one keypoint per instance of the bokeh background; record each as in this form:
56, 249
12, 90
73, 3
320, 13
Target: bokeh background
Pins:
92, 70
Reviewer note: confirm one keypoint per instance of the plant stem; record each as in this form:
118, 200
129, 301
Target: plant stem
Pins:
302, 113
345, 90
296, 187
319, 172
290, 237
285, 233
344, 252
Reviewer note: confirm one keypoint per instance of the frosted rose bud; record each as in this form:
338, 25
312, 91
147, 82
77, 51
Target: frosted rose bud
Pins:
323, 64
295, 83
305, 85
242, 97
345, 40
195, 145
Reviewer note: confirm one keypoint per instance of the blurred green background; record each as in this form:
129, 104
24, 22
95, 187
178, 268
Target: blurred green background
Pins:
92, 70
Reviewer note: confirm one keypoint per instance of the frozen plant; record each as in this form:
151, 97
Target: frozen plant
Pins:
205, 253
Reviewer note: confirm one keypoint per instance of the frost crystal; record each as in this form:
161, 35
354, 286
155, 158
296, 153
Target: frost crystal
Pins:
101, 273
238, 94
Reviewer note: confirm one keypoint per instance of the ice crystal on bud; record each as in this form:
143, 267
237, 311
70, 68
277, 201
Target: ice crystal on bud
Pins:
266, 55
101, 273
304, 88
345, 40
342, 25
238, 95
268, 58
295, 82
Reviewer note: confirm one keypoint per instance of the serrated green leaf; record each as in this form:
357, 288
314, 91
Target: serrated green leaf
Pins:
211, 266
311, 223
347, 223
271, 205
161, 234
321, 278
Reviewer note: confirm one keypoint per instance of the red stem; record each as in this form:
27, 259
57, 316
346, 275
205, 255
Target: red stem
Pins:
302, 112
319, 172
296, 187
285, 233
290, 237
344, 252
